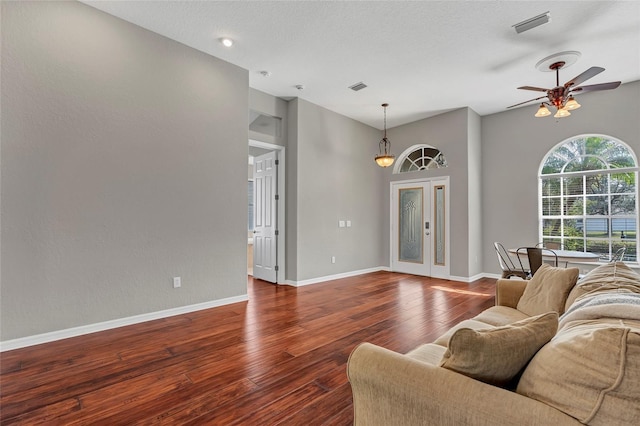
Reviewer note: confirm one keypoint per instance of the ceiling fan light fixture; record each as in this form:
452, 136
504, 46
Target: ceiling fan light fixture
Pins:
572, 104
384, 157
543, 111
561, 113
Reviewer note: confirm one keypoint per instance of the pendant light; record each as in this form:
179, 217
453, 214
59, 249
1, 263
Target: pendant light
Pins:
384, 157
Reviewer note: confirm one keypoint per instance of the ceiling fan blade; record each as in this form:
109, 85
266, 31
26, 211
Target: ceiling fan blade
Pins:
537, 89
594, 87
526, 102
591, 72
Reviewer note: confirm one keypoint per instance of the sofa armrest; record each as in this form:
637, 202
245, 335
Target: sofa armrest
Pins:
393, 389
508, 292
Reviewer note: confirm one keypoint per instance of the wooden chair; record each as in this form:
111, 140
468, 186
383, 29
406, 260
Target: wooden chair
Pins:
508, 266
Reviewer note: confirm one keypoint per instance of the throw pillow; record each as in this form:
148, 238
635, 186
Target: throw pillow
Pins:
548, 290
591, 371
497, 355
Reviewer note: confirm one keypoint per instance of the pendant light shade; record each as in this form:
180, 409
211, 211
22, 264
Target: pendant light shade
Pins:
384, 157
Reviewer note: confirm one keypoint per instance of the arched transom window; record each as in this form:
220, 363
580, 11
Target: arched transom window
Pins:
588, 197
420, 157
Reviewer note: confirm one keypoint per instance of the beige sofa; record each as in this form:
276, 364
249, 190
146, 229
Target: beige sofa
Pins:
499, 369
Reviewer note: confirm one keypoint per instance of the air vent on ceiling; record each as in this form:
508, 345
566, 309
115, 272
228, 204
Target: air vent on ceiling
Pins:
357, 86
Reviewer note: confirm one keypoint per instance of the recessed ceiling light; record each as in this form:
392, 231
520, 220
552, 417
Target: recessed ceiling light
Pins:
227, 42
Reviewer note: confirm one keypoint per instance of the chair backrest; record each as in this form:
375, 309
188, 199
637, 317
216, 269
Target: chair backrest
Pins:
535, 257
618, 256
505, 261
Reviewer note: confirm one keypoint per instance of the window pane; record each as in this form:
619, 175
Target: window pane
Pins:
585, 163
623, 204
415, 155
573, 228
431, 152
576, 244
553, 164
550, 186
600, 247
573, 186
623, 182
597, 184
631, 253
551, 206
597, 228
623, 228
551, 227
552, 243
573, 206
597, 206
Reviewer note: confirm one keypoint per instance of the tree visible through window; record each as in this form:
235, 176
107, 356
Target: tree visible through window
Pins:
589, 197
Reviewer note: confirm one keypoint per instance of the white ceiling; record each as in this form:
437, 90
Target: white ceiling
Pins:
422, 57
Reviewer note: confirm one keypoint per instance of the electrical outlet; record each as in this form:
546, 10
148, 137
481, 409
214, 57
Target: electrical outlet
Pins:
333, 259
177, 282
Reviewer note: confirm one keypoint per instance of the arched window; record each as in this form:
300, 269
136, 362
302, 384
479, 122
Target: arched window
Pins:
420, 157
588, 197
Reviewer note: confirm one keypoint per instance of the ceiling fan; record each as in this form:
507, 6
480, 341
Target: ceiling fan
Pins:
561, 97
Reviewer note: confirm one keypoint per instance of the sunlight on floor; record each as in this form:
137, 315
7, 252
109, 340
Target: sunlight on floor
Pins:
455, 290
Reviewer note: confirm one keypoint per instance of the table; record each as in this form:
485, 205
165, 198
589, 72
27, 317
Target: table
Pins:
563, 255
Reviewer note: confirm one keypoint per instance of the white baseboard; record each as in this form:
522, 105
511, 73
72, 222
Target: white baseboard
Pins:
469, 279
334, 277
120, 322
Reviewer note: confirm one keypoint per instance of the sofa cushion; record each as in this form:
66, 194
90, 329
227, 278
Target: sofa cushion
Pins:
470, 323
429, 353
548, 290
497, 355
610, 276
500, 315
590, 370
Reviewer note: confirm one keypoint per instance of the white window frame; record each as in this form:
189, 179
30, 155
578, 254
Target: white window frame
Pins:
608, 170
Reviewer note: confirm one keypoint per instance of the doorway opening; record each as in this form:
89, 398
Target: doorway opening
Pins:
266, 211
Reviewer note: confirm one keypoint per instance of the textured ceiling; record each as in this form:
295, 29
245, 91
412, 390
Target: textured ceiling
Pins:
422, 57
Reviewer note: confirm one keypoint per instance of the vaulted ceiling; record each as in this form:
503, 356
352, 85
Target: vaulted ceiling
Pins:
422, 57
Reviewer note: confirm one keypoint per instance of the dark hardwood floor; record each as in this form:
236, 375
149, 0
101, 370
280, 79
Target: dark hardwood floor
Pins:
278, 359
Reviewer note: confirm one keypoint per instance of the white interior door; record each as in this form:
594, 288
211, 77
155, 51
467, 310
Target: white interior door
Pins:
420, 227
265, 235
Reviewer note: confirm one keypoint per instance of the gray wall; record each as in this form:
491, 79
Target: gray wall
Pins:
515, 142
335, 179
123, 165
